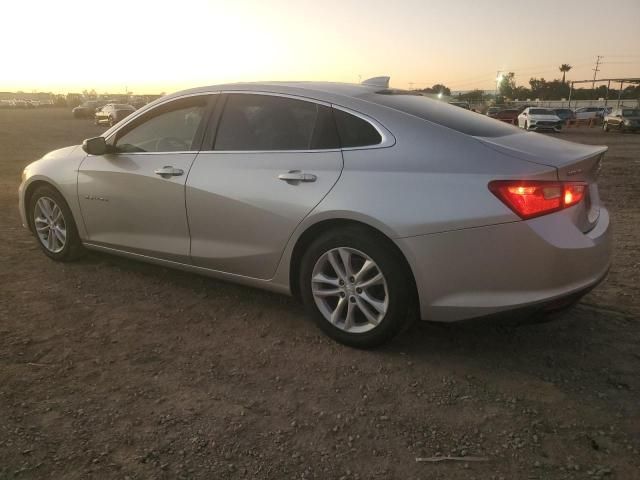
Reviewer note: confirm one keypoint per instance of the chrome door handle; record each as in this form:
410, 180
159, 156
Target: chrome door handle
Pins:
168, 171
295, 176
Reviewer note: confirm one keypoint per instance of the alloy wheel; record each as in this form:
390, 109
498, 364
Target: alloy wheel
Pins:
350, 290
50, 225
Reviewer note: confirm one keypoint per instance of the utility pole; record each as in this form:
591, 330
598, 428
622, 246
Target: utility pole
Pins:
595, 71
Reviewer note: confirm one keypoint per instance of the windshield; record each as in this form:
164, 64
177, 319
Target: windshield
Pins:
541, 111
632, 112
441, 113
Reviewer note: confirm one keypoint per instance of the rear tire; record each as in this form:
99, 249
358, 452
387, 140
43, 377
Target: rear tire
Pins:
364, 305
53, 225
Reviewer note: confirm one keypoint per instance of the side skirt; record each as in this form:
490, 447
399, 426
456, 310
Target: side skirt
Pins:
230, 277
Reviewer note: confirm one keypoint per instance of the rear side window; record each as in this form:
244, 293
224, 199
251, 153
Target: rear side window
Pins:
269, 122
354, 131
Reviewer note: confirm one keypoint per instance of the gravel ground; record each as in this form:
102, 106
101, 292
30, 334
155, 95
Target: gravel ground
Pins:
115, 369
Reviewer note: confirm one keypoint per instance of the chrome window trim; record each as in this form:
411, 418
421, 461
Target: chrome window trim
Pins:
388, 139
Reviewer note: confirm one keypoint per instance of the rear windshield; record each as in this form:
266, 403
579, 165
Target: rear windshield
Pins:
441, 113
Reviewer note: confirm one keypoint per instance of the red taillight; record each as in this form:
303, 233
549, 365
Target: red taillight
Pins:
531, 199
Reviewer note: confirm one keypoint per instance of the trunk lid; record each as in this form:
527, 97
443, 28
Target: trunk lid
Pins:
574, 162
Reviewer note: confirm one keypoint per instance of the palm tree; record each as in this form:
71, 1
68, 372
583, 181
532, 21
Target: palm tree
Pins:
564, 68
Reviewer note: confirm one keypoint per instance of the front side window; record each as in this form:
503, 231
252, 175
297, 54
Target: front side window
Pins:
170, 127
269, 122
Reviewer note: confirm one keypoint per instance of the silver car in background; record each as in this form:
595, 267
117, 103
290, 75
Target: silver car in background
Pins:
367, 203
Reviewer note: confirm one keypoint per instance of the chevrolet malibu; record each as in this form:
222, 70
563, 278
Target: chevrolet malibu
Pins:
369, 204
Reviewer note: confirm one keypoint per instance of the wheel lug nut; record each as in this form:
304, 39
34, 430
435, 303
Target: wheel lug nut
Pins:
342, 294
351, 279
341, 282
358, 290
352, 299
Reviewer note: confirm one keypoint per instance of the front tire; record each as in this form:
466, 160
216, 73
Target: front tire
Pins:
53, 225
355, 287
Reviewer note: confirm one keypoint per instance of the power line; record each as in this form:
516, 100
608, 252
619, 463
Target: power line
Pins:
595, 72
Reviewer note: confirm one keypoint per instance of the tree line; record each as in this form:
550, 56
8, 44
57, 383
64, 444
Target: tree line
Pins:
538, 88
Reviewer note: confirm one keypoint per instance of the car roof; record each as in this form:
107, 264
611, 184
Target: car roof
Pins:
318, 90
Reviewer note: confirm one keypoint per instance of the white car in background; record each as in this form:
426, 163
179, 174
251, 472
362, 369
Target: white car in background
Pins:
535, 118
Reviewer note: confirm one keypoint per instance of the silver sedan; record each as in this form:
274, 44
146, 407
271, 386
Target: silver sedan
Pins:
372, 205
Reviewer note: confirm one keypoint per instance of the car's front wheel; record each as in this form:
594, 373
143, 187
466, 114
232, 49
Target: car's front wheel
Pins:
355, 287
53, 225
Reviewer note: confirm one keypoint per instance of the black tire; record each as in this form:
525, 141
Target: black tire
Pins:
389, 263
73, 248
526, 127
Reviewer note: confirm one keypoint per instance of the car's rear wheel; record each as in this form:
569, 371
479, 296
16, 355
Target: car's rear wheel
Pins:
53, 225
355, 287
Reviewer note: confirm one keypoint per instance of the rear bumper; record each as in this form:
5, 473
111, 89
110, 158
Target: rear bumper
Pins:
483, 271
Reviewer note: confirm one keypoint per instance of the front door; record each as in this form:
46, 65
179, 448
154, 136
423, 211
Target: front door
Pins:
133, 198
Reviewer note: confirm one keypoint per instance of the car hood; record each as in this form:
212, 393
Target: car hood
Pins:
542, 149
60, 153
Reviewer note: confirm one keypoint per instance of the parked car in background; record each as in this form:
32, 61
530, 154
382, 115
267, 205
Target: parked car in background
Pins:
584, 113
112, 113
86, 109
492, 111
303, 188
20, 104
536, 118
622, 119
507, 115
464, 105
565, 114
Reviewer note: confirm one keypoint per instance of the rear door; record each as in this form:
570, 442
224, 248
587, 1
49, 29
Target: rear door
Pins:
273, 159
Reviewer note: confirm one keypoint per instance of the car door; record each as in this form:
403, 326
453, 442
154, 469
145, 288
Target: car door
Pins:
274, 159
132, 198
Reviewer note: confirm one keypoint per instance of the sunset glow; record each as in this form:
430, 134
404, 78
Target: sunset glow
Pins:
145, 46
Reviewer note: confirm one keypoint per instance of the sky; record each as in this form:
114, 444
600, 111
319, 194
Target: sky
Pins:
166, 45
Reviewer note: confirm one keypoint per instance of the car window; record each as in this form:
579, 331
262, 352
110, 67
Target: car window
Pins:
441, 113
354, 131
170, 127
270, 122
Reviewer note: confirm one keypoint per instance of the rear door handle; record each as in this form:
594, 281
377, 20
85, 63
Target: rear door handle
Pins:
168, 171
295, 176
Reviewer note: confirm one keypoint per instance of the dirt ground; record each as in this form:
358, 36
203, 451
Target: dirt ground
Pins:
115, 369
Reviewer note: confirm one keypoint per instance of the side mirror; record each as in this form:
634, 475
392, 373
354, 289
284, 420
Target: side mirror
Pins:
524, 113
95, 146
